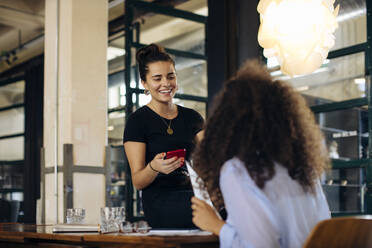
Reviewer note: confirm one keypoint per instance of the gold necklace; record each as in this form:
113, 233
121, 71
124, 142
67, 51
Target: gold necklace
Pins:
169, 129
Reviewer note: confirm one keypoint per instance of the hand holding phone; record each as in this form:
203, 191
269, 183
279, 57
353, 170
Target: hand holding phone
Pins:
180, 153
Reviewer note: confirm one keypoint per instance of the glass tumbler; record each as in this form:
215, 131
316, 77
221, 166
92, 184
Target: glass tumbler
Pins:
119, 215
109, 220
75, 216
126, 227
141, 226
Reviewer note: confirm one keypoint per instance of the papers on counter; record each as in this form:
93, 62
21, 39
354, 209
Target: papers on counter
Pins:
179, 233
170, 232
68, 228
75, 228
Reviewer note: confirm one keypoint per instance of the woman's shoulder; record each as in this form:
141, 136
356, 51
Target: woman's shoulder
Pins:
234, 167
189, 112
185, 109
234, 177
135, 126
233, 164
138, 114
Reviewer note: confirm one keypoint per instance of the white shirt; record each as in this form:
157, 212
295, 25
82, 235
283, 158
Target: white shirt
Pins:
280, 215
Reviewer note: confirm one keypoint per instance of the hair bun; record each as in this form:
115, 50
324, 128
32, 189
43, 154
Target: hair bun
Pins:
149, 51
149, 54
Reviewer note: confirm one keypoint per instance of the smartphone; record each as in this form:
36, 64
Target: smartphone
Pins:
180, 153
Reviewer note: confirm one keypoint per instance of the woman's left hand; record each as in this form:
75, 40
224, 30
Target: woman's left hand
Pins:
205, 217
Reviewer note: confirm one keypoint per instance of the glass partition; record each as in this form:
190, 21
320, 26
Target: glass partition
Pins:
346, 132
12, 94
345, 190
12, 126
338, 93
338, 79
115, 127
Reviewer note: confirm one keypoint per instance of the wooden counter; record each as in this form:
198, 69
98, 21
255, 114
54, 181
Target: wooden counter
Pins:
23, 235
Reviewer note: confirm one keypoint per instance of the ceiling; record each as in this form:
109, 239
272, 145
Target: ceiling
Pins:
22, 27
20, 21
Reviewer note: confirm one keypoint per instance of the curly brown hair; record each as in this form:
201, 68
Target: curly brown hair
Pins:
260, 121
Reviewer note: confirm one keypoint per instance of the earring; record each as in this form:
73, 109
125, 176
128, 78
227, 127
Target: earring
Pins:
147, 92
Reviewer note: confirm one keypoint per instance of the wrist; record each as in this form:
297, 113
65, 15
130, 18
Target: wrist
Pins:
152, 168
217, 227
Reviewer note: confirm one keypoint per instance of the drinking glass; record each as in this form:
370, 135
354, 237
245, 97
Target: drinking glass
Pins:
75, 216
126, 227
109, 221
141, 226
119, 213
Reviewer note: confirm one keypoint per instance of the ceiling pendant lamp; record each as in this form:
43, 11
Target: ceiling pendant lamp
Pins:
299, 33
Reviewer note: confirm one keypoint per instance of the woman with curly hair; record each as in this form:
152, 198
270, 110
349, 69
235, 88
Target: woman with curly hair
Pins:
261, 157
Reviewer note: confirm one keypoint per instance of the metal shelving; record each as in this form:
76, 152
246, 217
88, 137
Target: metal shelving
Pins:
364, 164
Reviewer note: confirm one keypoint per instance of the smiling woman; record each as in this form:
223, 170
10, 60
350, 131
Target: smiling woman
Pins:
161, 81
152, 131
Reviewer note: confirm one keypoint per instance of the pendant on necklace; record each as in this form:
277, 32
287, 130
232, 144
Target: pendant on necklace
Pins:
169, 131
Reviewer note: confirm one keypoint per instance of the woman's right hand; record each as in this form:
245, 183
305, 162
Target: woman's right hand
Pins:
166, 166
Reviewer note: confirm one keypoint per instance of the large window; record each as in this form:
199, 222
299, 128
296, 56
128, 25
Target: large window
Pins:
12, 122
338, 94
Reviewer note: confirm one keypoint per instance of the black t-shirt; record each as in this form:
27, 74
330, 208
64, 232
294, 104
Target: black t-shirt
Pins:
166, 201
148, 127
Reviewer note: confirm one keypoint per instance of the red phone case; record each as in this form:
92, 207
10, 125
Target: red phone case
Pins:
176, 153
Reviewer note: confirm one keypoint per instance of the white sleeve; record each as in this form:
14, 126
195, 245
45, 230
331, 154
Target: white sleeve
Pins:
322, 204
251, 221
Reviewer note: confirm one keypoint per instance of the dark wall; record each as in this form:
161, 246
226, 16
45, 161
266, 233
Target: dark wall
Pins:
231, 39
34, 102
216, 47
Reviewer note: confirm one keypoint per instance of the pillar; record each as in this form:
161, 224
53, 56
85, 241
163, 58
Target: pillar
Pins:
75, 104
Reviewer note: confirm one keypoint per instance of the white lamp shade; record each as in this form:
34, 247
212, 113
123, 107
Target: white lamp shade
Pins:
299, 33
